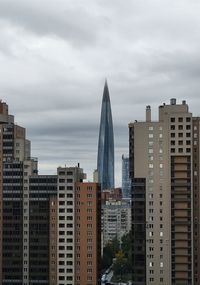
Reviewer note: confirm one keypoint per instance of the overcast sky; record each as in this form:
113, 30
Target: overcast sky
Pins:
55, 56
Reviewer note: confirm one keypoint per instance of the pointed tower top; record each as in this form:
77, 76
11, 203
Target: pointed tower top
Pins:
106, 96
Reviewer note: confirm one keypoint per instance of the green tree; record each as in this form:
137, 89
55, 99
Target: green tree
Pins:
109, 253
126, 247
119, 266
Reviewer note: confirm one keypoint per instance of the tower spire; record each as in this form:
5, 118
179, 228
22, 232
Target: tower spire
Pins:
105, 160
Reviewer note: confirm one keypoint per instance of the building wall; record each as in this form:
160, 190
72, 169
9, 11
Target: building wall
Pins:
156, 149
116, 220
42, 188
24, 211
53, 239
87, 233
67, 177
196, 199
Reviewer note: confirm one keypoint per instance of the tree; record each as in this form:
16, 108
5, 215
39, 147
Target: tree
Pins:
126, 247
109, 253
119, 266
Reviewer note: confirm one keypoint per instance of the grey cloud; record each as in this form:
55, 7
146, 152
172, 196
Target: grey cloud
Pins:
51, 18
54, 56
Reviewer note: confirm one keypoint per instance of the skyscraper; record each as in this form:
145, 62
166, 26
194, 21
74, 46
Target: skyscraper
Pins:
164, 168
126, 181
49, 224
105, 160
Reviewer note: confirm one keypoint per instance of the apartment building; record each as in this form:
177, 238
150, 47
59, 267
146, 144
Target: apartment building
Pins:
24, 208
115, 220
49, 224
88, 229
162, 172
79, 241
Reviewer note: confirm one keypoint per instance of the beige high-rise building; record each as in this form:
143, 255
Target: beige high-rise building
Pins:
161, 168
79, 244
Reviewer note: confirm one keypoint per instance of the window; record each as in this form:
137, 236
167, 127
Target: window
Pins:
69, 188
150, 136
180, 120
172, 120
180, 127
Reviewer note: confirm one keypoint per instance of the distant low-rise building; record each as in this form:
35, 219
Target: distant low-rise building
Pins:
115, 219
111, 195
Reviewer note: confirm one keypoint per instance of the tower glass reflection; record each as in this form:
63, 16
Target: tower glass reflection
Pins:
105, 160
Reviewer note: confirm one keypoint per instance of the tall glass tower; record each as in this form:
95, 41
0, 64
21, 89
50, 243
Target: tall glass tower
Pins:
126, 181
105, 160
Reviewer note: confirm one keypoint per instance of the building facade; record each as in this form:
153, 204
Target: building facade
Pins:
24, 208
161, 169
116, 220
79, 240
88, 229
105, 160
41, 217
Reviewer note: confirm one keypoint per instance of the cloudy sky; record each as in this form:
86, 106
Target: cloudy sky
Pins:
55, 56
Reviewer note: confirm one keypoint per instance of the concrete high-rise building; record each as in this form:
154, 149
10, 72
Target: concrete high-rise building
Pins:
24, 209
105, 160
126, 181
88, 234
79, 240
164, 169
49, 224
196, 199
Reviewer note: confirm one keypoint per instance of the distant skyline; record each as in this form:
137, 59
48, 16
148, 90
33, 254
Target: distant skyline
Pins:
55, 55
